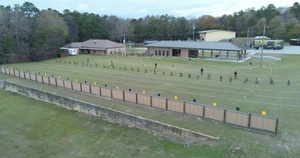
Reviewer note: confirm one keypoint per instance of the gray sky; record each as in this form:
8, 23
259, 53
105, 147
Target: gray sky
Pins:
142, 8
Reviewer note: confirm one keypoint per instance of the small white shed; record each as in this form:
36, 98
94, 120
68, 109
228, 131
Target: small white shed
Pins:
73, 51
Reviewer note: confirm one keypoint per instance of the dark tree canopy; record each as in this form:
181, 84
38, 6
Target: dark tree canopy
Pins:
37, 34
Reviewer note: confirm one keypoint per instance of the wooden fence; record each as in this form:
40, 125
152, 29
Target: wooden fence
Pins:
252, 121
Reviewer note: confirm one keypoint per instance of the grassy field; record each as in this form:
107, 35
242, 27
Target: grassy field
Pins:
279, 100
31, 128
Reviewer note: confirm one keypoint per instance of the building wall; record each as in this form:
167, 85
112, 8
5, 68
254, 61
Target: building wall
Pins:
113, 51
218, 35
97, 52
165, 52
184, 53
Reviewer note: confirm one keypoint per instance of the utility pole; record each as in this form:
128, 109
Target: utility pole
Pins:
193, 32
247, 38
124, 41
262, 45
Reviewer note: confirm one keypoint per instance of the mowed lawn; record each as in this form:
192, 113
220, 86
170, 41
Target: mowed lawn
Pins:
278, 100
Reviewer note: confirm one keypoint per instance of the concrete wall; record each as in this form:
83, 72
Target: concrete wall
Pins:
109, 114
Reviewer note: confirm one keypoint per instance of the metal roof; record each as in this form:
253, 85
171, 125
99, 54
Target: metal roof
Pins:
72, 45
100, 44
223, 46
208, 31
94, 44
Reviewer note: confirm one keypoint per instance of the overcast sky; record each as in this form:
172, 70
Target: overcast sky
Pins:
142, 8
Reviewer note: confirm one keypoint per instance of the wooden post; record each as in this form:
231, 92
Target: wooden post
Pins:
100, 91
202, 53
211, 53
276, 126
71, 85
123, 95
166, 104
90, 87
136, 98
249, 120
183, 107
111, 93
224, 119
227, 54
151, 101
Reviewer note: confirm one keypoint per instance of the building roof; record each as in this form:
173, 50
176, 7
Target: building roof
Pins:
150, 42
72, 45
94, 44
223, 46
208, 31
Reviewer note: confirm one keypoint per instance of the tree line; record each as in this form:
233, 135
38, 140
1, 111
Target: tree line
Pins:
33, 34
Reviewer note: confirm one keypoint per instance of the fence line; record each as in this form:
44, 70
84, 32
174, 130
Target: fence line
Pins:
248, 120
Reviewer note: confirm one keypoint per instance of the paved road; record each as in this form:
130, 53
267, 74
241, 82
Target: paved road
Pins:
256, 54
285, 50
